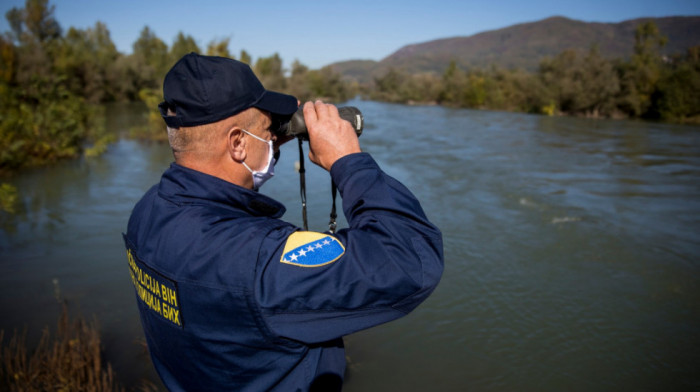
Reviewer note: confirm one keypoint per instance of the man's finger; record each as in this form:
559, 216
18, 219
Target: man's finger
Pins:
333, 110
321, 109
310, 113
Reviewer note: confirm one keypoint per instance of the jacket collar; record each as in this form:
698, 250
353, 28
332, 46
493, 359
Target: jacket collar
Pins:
182, 185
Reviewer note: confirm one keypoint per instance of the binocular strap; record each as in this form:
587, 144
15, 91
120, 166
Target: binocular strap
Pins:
332, 224
302, 184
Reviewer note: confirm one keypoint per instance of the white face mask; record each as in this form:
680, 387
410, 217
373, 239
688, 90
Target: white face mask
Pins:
259, 177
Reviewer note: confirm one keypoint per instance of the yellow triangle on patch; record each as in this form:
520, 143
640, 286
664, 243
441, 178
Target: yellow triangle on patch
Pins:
311, 249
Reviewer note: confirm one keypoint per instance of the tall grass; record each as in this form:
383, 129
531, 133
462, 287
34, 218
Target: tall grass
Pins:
69, 361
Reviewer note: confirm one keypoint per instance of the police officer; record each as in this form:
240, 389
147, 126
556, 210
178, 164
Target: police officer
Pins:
230, 296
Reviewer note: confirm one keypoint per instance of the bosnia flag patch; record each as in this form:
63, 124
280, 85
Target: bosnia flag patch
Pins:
311, 249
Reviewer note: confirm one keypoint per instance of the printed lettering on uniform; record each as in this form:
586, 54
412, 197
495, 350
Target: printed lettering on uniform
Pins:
158, 293
311, 249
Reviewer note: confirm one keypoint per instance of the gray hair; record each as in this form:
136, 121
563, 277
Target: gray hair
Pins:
198, 139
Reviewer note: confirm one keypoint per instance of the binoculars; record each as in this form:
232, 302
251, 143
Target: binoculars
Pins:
296, 126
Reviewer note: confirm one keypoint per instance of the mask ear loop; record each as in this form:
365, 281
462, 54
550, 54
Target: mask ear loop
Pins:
302, 184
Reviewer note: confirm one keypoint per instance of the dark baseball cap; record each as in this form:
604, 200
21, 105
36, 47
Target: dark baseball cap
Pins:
206, 89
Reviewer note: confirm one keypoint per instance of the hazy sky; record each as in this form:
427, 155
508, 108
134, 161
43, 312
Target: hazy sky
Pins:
319, 33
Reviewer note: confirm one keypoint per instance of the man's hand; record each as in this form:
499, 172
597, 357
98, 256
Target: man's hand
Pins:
330, 137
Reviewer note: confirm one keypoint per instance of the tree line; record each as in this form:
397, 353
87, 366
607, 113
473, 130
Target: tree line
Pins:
53, 84
648, 85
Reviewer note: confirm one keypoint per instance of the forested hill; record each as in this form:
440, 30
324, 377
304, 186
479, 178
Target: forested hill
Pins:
524, 45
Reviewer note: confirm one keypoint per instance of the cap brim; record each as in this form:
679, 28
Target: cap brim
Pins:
277, 103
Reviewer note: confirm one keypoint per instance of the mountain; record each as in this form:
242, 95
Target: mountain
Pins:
359, 70
524, 45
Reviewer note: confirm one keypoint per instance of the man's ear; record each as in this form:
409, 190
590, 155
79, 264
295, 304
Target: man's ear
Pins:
236, 144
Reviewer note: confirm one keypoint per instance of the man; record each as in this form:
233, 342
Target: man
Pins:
230, 296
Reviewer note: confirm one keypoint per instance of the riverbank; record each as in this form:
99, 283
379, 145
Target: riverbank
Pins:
69, 359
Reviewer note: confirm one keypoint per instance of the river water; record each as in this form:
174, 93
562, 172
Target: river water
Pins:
572, 251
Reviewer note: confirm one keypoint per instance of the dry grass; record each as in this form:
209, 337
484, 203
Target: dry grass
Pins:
70, 361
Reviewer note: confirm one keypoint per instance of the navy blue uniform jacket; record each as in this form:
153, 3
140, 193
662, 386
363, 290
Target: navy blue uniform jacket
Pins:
233, 298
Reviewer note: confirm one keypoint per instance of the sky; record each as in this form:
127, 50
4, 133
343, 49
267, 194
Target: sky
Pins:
319, 33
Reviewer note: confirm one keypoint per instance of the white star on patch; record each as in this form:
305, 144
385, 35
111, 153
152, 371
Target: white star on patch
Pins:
326, 242
319, 246
310, 248
302, 252
293, 257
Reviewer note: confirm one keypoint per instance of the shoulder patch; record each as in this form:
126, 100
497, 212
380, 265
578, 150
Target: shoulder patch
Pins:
311, 249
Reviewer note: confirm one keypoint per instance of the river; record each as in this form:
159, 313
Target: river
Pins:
572, 250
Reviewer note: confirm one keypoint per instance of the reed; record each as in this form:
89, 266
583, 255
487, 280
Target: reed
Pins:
69, 361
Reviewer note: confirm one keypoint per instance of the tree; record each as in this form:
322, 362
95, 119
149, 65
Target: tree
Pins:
421, 87
245, 57
647, 43
35, 21
600, 85
42, 118
386, 87
298, 85
326, 83
270, 72
640, 76
561, 75
475, 90
15, 18
453, 85
219, 48
8, 61
182, 45
151, 59
677, 96
581, 85
87, 59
